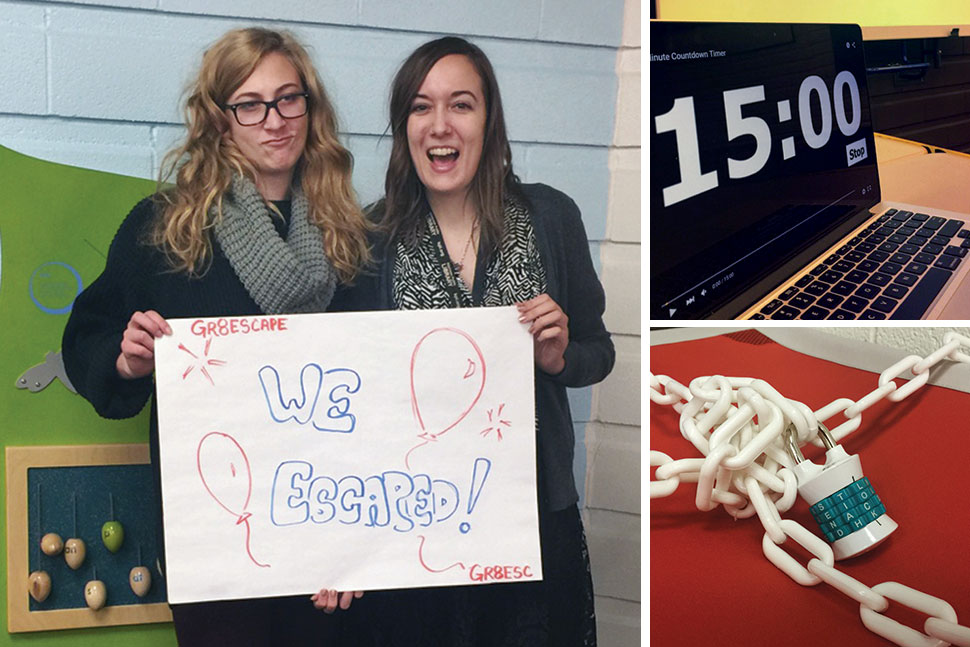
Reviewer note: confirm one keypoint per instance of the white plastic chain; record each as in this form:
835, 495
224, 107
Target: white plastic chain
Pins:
737, 425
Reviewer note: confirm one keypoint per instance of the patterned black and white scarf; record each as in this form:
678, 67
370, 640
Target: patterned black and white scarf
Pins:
514, 272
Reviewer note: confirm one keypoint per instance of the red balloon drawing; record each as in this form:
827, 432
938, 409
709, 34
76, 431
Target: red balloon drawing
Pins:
447, 380
224, 470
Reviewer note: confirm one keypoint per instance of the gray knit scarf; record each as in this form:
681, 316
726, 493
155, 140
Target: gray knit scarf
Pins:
288, 276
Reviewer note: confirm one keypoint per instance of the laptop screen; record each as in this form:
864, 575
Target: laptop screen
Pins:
761, 155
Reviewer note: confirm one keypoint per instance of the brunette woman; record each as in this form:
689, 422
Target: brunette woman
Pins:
459, 230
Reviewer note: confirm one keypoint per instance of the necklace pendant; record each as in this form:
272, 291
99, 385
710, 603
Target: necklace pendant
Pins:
459, 266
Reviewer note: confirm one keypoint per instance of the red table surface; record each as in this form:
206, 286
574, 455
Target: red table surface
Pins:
709, 580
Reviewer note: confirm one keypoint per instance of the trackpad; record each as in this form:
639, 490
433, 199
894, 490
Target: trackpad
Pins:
959, 305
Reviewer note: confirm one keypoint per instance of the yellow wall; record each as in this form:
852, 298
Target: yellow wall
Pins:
863, 12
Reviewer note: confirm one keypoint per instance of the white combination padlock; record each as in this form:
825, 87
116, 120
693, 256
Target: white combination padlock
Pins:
850, 515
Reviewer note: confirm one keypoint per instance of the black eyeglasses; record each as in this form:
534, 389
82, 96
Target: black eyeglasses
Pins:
252, 113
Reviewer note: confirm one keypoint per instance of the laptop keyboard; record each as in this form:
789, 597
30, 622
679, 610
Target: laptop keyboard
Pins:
892, 269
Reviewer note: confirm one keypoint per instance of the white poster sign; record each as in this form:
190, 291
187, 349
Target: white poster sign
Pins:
355, 451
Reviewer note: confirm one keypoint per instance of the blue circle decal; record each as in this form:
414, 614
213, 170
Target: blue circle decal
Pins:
54, 286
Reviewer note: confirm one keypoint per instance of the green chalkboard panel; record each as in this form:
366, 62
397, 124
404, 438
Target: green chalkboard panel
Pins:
56, 221
75, 502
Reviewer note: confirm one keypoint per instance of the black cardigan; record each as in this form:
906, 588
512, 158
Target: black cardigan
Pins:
572, 282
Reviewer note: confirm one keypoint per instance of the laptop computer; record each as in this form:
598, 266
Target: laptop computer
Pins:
764, 192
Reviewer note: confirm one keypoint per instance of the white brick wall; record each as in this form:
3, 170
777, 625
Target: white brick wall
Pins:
97, 84
23, 50
917, 341
613, 448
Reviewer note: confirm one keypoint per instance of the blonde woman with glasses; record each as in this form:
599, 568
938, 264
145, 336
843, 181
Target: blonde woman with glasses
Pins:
261, 219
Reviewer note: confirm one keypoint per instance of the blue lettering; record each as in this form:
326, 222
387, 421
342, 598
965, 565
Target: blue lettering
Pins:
323, 493
399, 487
351, 487
333, 416
338, 417
378, 513
445, 499
391, 498
311, 379
286, 506
423, 509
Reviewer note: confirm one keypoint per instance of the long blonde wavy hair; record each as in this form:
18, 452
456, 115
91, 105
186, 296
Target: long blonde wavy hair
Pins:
204, 164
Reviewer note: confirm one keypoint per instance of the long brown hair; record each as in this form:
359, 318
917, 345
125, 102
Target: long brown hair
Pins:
404, 205
204, 164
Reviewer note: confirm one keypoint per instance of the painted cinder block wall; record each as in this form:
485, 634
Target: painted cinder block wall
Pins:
613, 437
96, 84
916, 341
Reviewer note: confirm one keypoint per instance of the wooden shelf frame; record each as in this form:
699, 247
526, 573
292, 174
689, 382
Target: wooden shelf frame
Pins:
19, 616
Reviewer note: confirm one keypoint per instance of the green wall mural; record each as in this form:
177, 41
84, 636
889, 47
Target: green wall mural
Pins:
56, 224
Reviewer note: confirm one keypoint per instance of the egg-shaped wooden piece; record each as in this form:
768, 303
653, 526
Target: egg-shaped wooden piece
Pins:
39, 585
51, 543
140, 579
75, 550
95, 594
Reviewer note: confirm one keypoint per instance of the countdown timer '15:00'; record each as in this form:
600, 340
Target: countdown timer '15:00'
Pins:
681, 120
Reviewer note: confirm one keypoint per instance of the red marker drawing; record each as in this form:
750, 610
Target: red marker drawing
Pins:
498, 422
201, 362
428, 568
224, 470
436, 368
